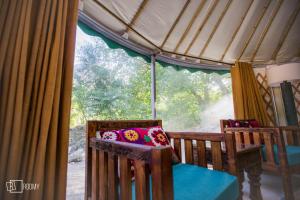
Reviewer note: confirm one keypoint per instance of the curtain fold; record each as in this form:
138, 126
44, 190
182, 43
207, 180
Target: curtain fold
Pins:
37, 44
248, 103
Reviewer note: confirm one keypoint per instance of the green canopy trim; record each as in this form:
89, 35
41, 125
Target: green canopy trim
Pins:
110, 43
114, 45
192, 69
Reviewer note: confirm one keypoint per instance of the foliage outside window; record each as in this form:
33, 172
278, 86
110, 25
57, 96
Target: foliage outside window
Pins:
110, 84
192, 101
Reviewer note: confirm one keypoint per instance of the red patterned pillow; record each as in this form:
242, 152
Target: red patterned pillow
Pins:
151, 136
251, 123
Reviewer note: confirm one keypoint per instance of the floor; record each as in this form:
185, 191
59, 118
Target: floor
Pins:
271, 185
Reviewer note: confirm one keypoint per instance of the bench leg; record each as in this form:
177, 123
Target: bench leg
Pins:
241, 179
287, 185
254, 173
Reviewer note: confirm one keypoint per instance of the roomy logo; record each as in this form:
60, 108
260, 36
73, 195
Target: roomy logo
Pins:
18, 186
15, 186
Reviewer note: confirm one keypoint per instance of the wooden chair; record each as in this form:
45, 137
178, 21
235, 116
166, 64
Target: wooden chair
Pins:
108, 174
280, 153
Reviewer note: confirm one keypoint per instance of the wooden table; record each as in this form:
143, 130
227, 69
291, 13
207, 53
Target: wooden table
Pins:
249, 160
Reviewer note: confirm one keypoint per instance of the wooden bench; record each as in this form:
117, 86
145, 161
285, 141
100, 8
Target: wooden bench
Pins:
280, 153
108, 174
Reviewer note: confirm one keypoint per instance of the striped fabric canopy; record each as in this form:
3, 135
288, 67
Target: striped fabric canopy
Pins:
205, 31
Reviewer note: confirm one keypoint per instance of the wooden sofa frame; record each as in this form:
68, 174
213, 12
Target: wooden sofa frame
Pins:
108, 174
268, 136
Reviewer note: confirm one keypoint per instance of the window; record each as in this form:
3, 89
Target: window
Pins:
192, 101
109, 83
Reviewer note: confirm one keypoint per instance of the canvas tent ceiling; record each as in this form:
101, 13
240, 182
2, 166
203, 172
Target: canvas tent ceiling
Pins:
256, 31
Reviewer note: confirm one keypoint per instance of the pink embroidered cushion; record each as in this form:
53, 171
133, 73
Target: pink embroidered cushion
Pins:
151, 136
251, 123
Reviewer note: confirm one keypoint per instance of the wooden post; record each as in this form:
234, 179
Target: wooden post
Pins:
162, 174
91, 132
284, 168
233, 165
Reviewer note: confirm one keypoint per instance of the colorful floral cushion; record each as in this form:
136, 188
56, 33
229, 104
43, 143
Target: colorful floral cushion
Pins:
152, 136
251, 123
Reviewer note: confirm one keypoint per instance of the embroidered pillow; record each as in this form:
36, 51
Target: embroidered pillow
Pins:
151, 136
251, 123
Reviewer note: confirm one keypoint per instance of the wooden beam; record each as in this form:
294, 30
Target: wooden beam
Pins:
194, 57
236, 31
286, 31
266, 29
200, 7
202, 25
137, 14
175, 22
215, 27
124, 23
254, 29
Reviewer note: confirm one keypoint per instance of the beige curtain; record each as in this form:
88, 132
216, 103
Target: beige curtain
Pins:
37, 41
248, 102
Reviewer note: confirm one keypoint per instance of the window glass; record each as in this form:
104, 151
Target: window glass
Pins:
107, 84
192, 101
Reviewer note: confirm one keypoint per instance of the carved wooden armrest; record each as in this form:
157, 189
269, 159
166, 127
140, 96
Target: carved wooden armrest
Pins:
109, 156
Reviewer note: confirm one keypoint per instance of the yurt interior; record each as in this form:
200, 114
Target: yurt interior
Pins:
149, 99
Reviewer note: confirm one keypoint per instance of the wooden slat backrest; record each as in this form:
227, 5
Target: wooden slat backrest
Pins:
103, 184
177, 148
142, 185
188, 151
216, 155
95, 175
113, 179
264, 136
205, 144
257, 138
292, 134
125, 178
269, 146
106, 125
201, 151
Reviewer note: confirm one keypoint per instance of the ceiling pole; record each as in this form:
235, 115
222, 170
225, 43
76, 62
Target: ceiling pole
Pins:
202, 25
286, 31
124, 23
236, 31
175, 22
215, 27
194, 57
137, 14
153, 87
200, 7
266, 29
254, 29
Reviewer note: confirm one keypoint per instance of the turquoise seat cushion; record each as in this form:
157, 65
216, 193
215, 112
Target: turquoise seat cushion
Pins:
192, 182
293, 154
